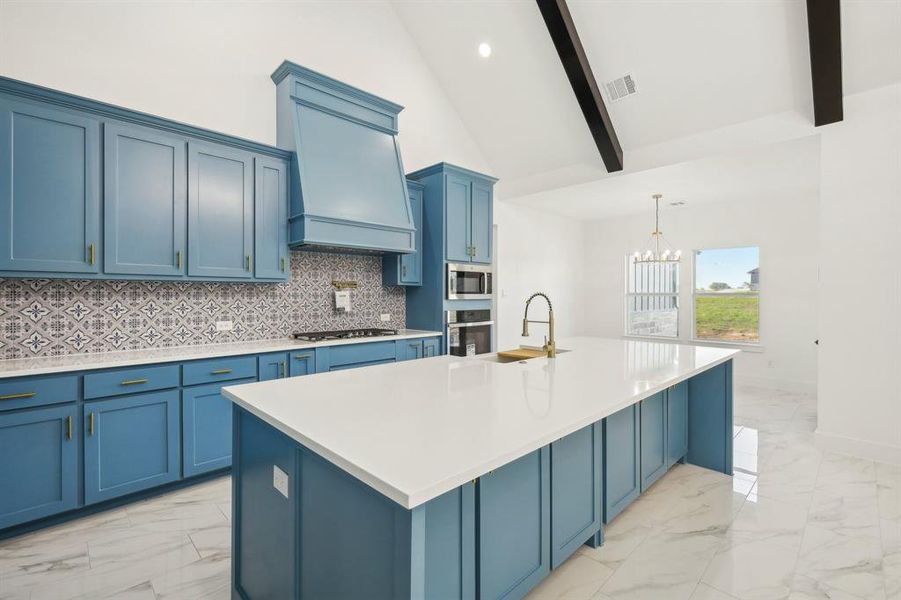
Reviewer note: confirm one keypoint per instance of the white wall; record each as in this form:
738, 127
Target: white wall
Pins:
859, 402
537, 251
208, 63
784, 227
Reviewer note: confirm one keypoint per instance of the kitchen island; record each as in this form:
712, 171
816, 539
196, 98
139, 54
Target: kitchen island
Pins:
460, 477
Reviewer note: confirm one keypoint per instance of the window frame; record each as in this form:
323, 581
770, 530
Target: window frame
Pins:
628, 295
758, 345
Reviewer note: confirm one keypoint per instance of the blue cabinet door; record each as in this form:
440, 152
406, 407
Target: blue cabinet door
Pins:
457, 218
431, 347
409, 349
273, 366
406, 269
575, 491
710, 419
39, 474
653, 439
481, 222
676, 423
271, 219
131, 443
220, 212
49, 189
622, 477
513, 508
301, 362
145, 189
207, 427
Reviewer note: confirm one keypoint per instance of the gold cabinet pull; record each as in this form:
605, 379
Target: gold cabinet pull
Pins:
248, 262
220, 371
178, 259
133, 381
302, 357
91, 424
19, 396
282, 368
284, 264
92, 250
69, 428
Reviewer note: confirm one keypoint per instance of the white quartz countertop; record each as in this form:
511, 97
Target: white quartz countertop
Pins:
416, 429
109, 360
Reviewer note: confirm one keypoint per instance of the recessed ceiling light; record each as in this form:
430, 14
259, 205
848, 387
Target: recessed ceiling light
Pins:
484, 50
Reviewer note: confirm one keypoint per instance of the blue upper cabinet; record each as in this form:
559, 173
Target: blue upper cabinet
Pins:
49, 189
406, 269
350, 191
272, 260
145, 201
465, 199
220, 212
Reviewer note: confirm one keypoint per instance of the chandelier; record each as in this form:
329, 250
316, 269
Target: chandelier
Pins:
657, 250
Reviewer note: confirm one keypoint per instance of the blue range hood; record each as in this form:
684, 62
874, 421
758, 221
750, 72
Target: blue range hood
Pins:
348, 189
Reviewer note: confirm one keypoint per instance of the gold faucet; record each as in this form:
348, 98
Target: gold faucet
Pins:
550, 346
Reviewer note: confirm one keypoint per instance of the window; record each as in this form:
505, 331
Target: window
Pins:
652, 299
727, 295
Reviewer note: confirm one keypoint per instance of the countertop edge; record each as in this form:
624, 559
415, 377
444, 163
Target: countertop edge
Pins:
411, 499
105, 361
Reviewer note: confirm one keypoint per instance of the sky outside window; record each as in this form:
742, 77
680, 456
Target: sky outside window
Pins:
726, 265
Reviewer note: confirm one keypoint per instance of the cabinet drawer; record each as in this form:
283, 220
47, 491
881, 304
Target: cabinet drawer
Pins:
219, 369
361, 353
25, 392
129, 381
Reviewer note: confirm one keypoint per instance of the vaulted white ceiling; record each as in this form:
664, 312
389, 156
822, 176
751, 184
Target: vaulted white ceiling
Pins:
700, 66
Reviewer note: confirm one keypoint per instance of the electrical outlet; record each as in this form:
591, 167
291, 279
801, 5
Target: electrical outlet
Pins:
224, 325
385, 317
280, 481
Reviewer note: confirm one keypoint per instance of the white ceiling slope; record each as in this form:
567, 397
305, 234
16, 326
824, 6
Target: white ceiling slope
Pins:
700, 67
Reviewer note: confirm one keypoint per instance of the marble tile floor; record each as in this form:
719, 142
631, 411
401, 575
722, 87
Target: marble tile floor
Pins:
793, 522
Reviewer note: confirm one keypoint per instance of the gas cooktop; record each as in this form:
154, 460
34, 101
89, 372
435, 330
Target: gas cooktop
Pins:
343, 334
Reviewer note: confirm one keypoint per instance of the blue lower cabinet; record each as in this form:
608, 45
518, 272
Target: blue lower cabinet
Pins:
431, 347
301, 362
622, 477
449, 550
350, 356
131, 443
513, 508
273, 366
676, 423
207, 428
575, 491
39, 470
409, 349
653, 439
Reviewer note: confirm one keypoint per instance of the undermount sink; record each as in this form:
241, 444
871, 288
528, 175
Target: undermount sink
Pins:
505, 359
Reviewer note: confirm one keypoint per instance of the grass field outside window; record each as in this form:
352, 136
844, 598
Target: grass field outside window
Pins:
727, 295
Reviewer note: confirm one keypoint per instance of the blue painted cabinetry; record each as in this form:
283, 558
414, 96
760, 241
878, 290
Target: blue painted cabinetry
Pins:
409, 349
513, 512
301, 362
207, 428
431, 347
622, 460
145, 201
576, 491
49, 189
131, 443
457, 218
406, 269
481, 221
271, 219
653, 439
676, 423
220, 211
39, 471
273, 366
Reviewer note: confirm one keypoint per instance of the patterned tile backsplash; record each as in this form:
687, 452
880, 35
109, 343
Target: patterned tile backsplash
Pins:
43, 317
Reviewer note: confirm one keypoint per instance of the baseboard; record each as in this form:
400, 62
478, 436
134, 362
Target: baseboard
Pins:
787, 385
840, 444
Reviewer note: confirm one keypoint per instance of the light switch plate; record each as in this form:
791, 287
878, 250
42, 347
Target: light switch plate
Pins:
385, 317
224, 325
280, 480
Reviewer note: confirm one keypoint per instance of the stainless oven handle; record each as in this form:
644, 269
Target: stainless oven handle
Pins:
476, 324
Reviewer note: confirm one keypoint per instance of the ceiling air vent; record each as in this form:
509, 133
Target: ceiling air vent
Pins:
621, 88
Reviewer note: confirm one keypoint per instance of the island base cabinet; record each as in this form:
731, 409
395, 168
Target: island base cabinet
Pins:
653, 439
622, 460
514, 527
676, 423
38, 474
710, 419
575, 491
131, 443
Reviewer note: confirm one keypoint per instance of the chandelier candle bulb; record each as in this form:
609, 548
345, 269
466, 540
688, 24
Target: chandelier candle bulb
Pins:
653, 254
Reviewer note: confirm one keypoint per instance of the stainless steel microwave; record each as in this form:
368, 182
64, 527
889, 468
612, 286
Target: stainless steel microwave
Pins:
469, 282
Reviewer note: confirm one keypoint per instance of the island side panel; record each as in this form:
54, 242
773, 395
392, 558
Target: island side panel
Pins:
710, 419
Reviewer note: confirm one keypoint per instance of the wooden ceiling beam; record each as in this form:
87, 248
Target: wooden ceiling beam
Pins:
560, 25
824, 28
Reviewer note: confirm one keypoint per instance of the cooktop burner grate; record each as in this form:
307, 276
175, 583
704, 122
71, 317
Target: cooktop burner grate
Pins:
343, 334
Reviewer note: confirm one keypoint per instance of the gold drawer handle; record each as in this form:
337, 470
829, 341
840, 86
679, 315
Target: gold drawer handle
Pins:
92, 250
133, 381
302, 357
68, 428
91, 424
220, 371
19, 396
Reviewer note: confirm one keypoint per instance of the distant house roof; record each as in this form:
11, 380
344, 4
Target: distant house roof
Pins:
754, 271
